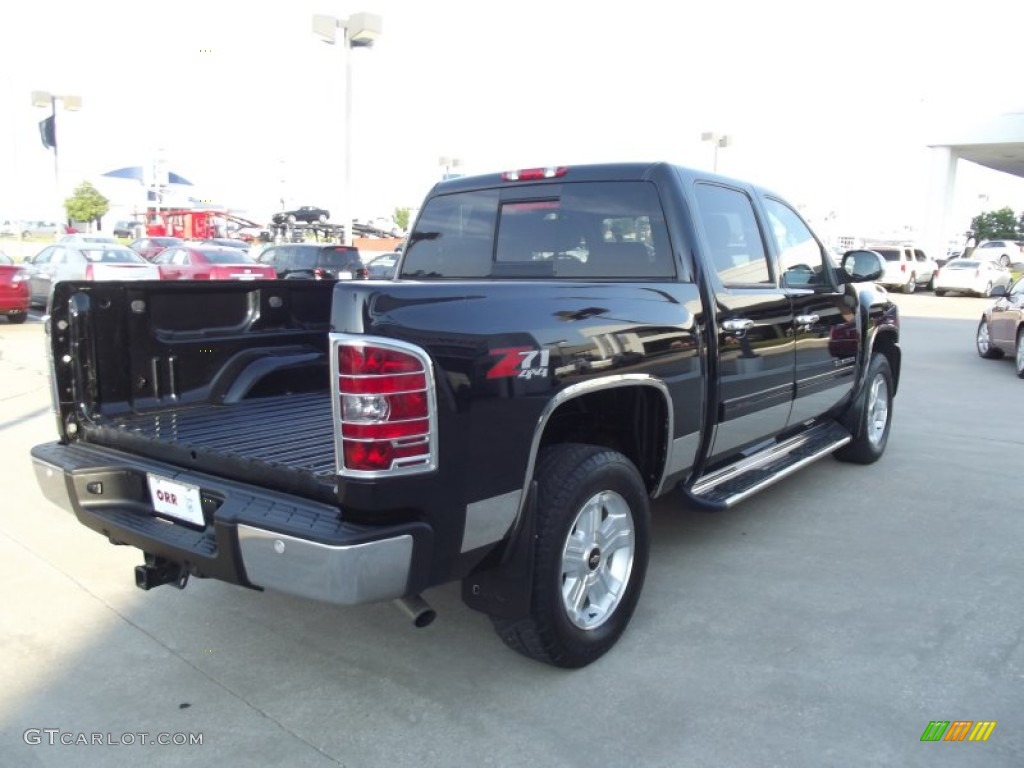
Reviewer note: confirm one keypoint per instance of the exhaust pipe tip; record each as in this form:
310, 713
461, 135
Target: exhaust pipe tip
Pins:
417, 609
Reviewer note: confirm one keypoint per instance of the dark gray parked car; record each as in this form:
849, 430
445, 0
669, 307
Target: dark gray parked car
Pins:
315, 261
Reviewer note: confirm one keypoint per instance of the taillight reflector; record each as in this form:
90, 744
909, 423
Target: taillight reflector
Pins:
533, 174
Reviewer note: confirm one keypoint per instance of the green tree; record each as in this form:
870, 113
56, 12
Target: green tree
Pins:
996, 225
401, 217
86, 204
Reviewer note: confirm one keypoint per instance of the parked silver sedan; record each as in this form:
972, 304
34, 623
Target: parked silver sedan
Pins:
975, 276
84, 261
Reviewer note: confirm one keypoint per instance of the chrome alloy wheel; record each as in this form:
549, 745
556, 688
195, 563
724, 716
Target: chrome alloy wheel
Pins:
984, 343
597, 560
878, 410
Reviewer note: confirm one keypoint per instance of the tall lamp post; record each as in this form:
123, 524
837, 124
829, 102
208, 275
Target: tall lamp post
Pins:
360, 30
48, 133
448, 163
718, 140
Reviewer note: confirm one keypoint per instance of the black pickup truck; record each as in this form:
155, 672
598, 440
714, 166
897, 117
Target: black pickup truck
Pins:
560, 346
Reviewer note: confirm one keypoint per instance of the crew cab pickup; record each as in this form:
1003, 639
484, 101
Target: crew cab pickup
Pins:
560, 346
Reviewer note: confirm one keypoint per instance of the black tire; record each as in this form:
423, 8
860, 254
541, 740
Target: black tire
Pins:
931, 283
910, 285
585, 485
983, 343
17, 319
1018, 357
872, 415
940, 292
1004, 260
322, 218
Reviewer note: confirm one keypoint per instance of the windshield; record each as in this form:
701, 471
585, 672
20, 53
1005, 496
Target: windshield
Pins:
962, 264
889, 254
338, 257
233, 256
112, 256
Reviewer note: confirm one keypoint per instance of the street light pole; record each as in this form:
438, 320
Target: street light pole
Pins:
71, 103
360, 30
718, 140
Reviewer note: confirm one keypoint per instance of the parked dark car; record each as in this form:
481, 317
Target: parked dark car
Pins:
383, 267
14, 296
127, 228
307, 213
149, 247
1001, 330
315, 261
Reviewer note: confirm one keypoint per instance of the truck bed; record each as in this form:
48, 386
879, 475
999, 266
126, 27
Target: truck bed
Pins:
287, 441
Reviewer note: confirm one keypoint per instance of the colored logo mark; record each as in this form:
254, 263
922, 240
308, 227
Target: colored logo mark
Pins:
958, 730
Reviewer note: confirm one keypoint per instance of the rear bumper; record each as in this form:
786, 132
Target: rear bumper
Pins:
252, 536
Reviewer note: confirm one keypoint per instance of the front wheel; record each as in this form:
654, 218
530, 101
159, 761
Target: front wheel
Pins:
1019, 354
1004, 260
873, 416
987, 293
17, 318
983, 341
590, 556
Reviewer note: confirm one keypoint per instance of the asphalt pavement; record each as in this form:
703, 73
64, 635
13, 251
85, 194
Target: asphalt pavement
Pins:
824, 622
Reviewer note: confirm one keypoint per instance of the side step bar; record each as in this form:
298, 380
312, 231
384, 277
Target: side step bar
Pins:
733, 483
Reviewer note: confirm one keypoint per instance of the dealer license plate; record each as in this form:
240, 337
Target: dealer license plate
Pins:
178, 500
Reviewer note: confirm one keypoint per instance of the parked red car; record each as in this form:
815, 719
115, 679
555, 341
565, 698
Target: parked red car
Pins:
149, 247
13, 290
209, 262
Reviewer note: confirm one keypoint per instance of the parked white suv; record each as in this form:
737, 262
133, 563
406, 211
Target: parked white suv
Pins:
906, 267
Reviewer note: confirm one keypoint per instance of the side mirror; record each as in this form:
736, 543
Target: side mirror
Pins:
863, 266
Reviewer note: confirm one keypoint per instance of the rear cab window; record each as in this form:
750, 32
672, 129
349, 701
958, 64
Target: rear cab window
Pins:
582, 230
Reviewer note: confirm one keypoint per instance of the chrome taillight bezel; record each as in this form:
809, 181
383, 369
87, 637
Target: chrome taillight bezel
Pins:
401, 466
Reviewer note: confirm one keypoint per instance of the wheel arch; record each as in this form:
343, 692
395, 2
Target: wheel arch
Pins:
886, 342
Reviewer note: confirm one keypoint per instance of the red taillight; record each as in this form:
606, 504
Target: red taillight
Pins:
384, 408
533, 174
318, 273
88, 272
903, 267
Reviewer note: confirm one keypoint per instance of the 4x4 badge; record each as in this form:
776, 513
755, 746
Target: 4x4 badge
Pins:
519, 362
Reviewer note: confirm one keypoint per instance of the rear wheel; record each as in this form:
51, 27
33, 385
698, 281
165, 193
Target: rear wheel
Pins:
939, 292
988, 291
590, 556
1004, 260
1019, 354
18, 318
984, 342
873, 416
910, 285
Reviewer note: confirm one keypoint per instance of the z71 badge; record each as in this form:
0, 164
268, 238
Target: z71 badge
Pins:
520, 363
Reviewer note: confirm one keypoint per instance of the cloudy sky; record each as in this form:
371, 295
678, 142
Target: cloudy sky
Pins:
832, 104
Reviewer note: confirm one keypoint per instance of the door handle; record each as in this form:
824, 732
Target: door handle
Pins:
810, 319
737, 326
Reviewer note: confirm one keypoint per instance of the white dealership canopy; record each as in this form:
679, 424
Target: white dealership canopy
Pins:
997, 144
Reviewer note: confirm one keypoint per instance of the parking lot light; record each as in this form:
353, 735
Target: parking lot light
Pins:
48, 132
360, 30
